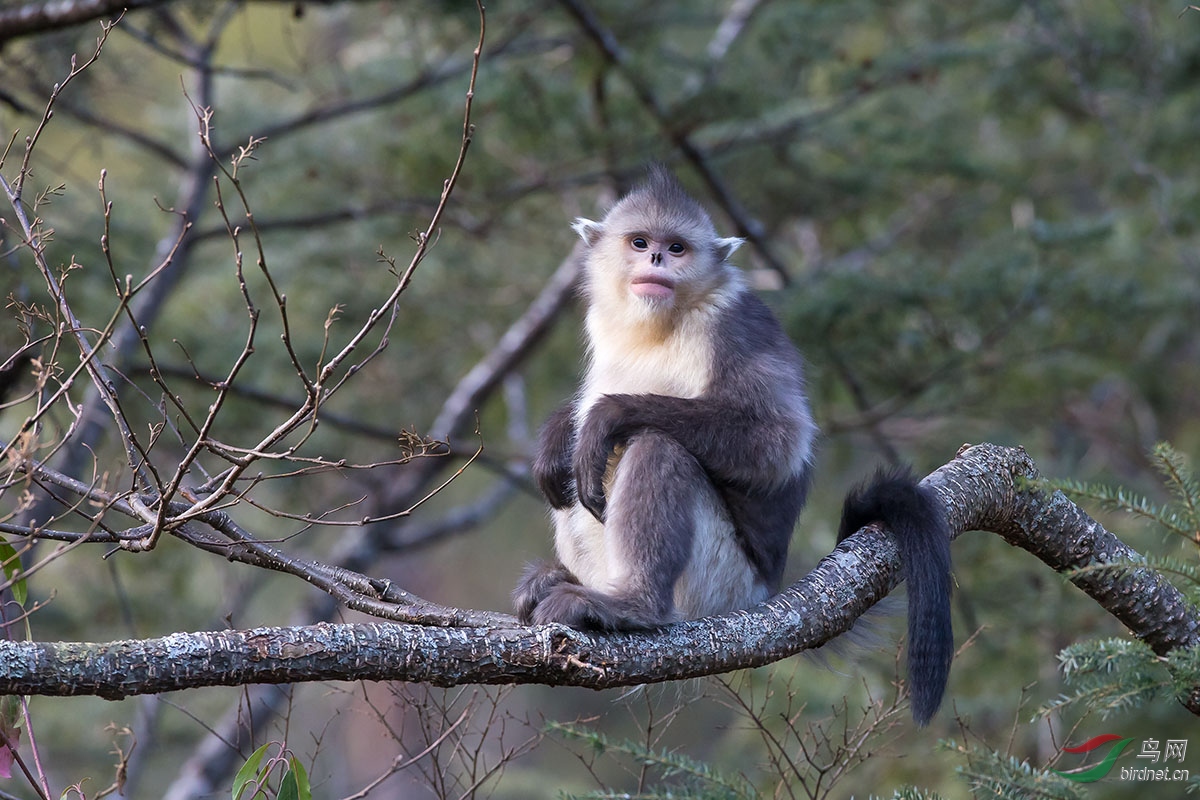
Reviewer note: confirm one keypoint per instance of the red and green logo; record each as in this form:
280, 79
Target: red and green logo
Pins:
1104, 767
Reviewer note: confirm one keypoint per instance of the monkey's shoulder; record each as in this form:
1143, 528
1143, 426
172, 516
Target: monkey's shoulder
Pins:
748, 338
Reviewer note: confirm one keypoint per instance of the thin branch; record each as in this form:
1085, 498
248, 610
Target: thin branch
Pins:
512, 348
31, 141
215, 532
137, 136
327, 381
432, 76
33, 18
170, 262
610, 47
732, 25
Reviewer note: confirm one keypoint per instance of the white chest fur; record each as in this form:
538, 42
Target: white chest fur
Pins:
635, 359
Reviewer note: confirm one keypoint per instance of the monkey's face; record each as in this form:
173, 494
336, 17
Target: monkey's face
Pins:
653, 260
657, 265
652, 273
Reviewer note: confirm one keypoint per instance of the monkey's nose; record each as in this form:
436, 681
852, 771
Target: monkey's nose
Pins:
656, 258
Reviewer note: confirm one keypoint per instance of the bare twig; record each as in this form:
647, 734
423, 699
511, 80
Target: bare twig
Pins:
160, 502
329, 378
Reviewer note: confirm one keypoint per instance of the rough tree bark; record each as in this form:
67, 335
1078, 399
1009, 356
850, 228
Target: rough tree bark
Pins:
982, 488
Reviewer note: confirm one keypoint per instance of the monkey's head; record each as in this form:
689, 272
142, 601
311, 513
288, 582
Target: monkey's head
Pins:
656, 252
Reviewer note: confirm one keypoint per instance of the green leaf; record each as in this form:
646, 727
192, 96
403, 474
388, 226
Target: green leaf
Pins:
303, 787
10, 712
249, 770
288, 788
12, 569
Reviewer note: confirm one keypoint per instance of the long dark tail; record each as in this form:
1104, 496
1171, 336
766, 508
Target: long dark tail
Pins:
918, 521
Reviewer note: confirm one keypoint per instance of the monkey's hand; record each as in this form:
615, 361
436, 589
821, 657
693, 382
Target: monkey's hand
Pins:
552, 464
601, 433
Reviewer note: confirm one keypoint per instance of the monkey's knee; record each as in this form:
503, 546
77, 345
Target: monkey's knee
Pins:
656, 492
537, 582
655, 470
587, 609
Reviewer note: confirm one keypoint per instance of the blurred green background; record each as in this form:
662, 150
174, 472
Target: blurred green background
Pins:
978, 223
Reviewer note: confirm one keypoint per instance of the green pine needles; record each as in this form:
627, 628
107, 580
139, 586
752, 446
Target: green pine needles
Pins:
1117, 674
683, 778
993, 775
1182, 517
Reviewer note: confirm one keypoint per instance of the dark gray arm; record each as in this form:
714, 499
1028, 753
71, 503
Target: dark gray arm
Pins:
552, 462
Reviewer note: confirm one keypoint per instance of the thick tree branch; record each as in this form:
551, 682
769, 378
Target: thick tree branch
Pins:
981, 489
1061, 535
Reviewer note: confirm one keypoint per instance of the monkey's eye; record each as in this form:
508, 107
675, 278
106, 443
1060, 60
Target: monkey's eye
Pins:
639, 243
676, 248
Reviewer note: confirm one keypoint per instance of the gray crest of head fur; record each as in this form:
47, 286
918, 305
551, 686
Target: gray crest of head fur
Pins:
659, 206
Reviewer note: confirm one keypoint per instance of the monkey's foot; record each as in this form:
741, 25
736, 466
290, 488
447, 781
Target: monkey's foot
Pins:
587, 609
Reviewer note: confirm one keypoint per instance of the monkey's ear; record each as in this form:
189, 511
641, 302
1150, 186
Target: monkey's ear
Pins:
588, 230
726, 247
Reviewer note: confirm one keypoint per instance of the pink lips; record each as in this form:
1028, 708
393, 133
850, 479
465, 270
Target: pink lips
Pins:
653, 286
